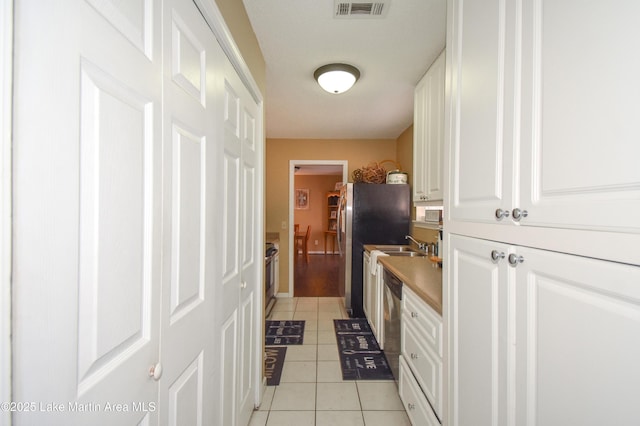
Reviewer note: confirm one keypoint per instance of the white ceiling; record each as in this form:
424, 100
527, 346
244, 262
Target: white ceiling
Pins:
392, 53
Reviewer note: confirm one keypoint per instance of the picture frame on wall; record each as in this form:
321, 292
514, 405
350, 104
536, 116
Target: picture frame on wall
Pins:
302, 199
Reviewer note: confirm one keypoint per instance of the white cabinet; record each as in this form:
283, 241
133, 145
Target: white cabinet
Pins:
538, 131
541, 338
428, 134
367, 291
478, 333
421, 350
415, 403
372, 294
538, 125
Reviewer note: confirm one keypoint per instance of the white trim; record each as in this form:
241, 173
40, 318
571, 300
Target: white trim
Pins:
292, 170
215, 20
6, 83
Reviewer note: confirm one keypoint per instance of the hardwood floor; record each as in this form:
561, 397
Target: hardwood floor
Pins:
316, 278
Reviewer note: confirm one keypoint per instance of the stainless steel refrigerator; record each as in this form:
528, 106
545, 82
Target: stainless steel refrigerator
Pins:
368, 214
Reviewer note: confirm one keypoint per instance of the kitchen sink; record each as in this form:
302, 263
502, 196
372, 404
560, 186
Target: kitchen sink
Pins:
406, 253
395, 248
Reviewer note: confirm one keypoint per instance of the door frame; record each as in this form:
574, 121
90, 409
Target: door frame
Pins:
292, 170
6, 84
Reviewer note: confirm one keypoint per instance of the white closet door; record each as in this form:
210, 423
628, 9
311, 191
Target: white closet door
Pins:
192, 87
242, 262
87, 187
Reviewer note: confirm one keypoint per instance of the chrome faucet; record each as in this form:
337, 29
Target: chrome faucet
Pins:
421, 246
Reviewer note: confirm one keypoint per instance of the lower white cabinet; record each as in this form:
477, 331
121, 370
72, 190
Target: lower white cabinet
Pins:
421, 330
541, 338
372, 295
415, 402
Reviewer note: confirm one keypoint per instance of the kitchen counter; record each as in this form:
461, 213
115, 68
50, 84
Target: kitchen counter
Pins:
422, 275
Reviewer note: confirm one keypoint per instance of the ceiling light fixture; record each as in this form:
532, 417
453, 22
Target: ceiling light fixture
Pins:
336, 78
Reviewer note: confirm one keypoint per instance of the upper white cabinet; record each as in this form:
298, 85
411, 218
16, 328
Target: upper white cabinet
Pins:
543, 116
428, 134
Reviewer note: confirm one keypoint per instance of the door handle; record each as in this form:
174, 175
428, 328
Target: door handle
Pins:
155, 371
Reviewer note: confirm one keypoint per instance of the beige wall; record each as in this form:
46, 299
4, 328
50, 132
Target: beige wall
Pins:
404, 153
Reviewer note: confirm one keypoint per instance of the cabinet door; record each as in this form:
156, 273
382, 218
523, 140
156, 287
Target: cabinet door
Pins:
435, 130
478, 318
378, 286
428, 140
578, 328
414, 401
366, 286
481, 90
579, 133
419, 140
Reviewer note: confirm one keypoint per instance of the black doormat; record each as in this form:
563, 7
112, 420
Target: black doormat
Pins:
284, 333
360, 355
274, 361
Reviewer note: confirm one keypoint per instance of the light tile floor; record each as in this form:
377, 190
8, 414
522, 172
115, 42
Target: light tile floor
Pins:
311, 390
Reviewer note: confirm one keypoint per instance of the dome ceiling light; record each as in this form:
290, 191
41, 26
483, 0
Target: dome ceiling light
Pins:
336, 78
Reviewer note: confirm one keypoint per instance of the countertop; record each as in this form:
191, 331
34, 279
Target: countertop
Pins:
422, 275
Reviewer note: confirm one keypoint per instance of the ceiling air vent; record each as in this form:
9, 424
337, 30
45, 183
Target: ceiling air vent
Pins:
361, 9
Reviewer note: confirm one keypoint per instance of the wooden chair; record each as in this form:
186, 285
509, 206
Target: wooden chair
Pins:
301, 242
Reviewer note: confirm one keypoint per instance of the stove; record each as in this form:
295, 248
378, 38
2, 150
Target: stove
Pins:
270, 271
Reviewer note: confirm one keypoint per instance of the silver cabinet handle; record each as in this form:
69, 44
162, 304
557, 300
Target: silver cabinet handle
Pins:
243, 285
518, 214
411, 406
501, 214
414, 356
514, 259
496, 255
414, 315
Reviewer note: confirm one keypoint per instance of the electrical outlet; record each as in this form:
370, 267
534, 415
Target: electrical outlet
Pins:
284, 224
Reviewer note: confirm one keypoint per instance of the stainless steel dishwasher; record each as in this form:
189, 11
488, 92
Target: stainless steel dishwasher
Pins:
392, 300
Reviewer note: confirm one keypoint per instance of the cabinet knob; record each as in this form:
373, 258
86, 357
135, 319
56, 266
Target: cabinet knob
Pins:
243, 285
496, 255
414, 314
514, 259
414, 356
518, 214
411, 406
501, 214
155, 371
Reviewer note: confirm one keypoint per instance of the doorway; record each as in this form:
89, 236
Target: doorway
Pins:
313, 261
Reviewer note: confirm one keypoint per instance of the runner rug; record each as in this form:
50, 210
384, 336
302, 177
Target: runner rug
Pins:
360, 355
284, 333
274, 361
